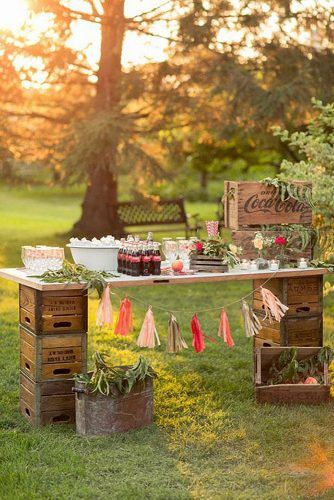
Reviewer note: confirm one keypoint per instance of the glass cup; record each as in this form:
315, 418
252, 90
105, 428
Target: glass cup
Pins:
171, 250
184, 249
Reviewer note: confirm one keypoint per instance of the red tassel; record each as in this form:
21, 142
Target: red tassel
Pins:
224, 330
198, 335
124, 323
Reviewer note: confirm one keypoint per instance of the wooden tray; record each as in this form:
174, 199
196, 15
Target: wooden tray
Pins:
207, 264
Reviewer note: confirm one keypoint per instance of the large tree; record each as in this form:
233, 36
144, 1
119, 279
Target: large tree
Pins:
95, 121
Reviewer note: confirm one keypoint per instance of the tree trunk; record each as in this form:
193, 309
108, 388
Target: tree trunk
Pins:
204, 183
98, 218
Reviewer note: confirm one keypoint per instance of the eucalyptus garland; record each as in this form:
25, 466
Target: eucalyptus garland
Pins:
105, 377
76, 273
287, 190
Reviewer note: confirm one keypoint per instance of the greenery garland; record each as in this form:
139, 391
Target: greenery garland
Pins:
287, 190
105, 377
76, 273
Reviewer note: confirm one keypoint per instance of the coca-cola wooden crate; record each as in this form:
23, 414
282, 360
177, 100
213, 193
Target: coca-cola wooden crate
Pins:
253, 204
45, 403
52, 357
244, 239
292, 331
287, 393
53, 312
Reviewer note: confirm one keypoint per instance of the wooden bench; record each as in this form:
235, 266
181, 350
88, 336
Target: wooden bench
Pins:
156, 213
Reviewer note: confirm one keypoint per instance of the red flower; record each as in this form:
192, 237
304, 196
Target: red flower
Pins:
280, 240
199, 246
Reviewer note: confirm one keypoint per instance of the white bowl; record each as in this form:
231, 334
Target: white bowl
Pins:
95, 258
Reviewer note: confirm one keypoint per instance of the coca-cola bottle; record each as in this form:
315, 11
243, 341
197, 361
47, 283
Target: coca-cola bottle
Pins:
120, 256
129, 259
136, 260
145, 260
156, 260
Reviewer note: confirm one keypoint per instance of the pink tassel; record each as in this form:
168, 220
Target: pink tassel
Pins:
273, 307
104, 313
124, 323
148, 333
224, 330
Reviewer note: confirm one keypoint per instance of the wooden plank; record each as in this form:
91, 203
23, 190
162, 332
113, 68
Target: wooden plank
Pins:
302, 309
52, 305
61, 355
27, 298
19, 276
54, 324
27, 319
60, 370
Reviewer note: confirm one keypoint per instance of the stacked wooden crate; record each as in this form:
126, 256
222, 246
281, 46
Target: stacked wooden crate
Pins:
53, 346
249, 206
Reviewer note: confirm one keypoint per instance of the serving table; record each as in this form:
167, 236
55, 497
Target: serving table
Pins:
54, 316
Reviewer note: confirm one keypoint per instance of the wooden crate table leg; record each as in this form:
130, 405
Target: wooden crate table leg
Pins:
53, 347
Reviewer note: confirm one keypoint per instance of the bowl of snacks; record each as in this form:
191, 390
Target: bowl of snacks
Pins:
96, 254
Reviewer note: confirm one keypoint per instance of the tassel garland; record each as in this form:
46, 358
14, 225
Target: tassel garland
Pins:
175, 341
124, 323
224, 330
273, 307
148, 336
252, 322
104, 313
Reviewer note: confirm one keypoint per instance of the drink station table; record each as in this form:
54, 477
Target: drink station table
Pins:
53, 328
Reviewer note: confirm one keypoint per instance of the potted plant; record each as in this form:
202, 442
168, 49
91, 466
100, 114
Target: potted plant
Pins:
214, 254
261, 243
114, 398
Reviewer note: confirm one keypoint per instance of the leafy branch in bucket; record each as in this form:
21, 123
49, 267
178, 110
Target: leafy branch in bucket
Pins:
287, 190
105, 378
76, 273
287, 369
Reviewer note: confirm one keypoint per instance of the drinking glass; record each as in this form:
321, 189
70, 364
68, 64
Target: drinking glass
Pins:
171, 250
184, 249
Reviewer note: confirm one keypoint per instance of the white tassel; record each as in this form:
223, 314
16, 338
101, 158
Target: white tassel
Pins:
251, 321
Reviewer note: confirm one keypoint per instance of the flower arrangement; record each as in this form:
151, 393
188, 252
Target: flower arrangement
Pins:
217, 247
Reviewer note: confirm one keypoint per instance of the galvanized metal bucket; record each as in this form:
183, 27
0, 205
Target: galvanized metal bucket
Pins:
99, 415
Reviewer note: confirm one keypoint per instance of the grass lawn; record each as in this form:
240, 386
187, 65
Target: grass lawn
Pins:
209, 440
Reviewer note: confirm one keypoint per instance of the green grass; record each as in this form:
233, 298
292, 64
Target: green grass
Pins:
209, 440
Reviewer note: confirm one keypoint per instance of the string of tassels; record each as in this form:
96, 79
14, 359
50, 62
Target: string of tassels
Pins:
148, 337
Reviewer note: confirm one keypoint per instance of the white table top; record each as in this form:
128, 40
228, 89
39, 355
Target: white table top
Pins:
21, 276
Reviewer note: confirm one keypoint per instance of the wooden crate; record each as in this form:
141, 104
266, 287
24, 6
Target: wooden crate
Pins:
306, 331
253, 204
207, 264
303, 296
244, 239
52, 357
286, 393
45, 403
53, 312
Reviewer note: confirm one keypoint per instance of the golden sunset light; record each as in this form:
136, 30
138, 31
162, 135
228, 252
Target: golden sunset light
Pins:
13, 14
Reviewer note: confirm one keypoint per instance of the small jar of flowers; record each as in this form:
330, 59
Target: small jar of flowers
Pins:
280, 244
261, 243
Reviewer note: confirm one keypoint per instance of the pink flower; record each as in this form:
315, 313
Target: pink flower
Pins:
199, 246
280, 240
